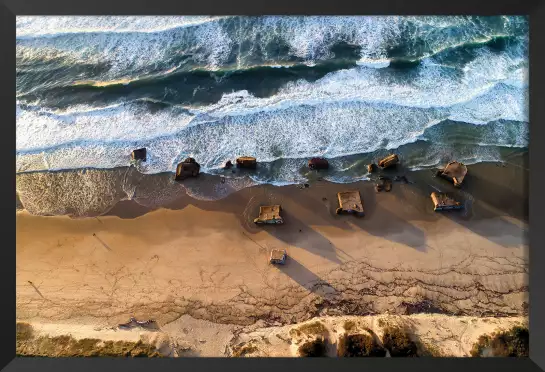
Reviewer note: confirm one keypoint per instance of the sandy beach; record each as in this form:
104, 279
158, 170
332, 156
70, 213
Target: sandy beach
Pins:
110, 230
206, 260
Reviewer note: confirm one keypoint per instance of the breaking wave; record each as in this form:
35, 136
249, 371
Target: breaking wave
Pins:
91, 89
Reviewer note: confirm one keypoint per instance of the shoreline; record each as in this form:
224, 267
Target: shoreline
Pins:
178, 259
101, 191
422, 152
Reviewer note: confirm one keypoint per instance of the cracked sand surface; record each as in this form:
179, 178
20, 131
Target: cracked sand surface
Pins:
212, 267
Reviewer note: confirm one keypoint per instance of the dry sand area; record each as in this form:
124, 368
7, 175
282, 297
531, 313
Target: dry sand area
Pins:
206, 262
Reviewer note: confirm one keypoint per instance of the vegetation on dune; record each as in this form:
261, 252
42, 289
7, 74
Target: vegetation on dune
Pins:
511, 343
314, 328
24, 331
314, 348
398, 342
359, 345
425, 349
349, 325
67, 346
244, 350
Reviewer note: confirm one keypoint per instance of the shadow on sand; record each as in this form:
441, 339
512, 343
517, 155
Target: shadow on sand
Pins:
306, 278
299, 234
486, 203
490, 191
102, 242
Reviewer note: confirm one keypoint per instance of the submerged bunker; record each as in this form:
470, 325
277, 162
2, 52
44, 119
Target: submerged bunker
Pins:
247, 162
318, 163
139, 154
388, 161
188, 168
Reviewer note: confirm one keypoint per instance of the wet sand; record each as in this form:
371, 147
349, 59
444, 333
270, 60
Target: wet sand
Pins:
207, 260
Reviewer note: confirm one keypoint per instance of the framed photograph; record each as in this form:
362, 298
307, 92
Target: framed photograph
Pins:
215, 185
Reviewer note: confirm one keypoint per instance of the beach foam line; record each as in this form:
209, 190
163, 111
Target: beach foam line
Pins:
127, 122
163, 157
37, 26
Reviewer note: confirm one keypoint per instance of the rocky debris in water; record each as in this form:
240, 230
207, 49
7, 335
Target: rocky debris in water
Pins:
318, 163
384, 184
248, 162
139, 154
388, 161
188, 168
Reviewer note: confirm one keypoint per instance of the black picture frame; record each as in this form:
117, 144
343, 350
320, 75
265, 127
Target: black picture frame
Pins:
534, 9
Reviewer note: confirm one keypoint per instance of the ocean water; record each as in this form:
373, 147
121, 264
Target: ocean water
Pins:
282, 89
